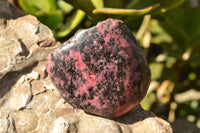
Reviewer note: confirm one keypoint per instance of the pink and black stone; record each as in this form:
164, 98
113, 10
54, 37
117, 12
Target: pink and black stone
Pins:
101, 70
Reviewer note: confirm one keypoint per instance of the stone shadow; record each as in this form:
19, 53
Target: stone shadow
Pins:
135, 115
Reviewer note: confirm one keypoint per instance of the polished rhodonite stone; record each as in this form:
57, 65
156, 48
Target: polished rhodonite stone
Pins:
101, 70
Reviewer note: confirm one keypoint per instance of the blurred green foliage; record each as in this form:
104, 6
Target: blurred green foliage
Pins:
167, 30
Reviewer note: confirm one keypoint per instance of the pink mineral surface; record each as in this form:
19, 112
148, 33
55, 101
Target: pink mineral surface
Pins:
101, 70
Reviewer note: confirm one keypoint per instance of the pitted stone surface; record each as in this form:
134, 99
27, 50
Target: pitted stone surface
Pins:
21, 96
101, 70
4, 124
25, 121
23, 39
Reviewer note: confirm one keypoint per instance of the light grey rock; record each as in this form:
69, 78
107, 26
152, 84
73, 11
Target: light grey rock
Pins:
4, 124
23, 40
63, 125
21, 96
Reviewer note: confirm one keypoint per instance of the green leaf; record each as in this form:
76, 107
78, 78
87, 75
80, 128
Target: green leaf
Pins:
132, 12
159, 34
98, 3
148, 101
87, 6
184, 27
114, 9
115, 4
52, 19
190, 21
156, 70
71, 24
164, 4
175, 31
160, 72
64, 6
33, 6
169, 4
94, 11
